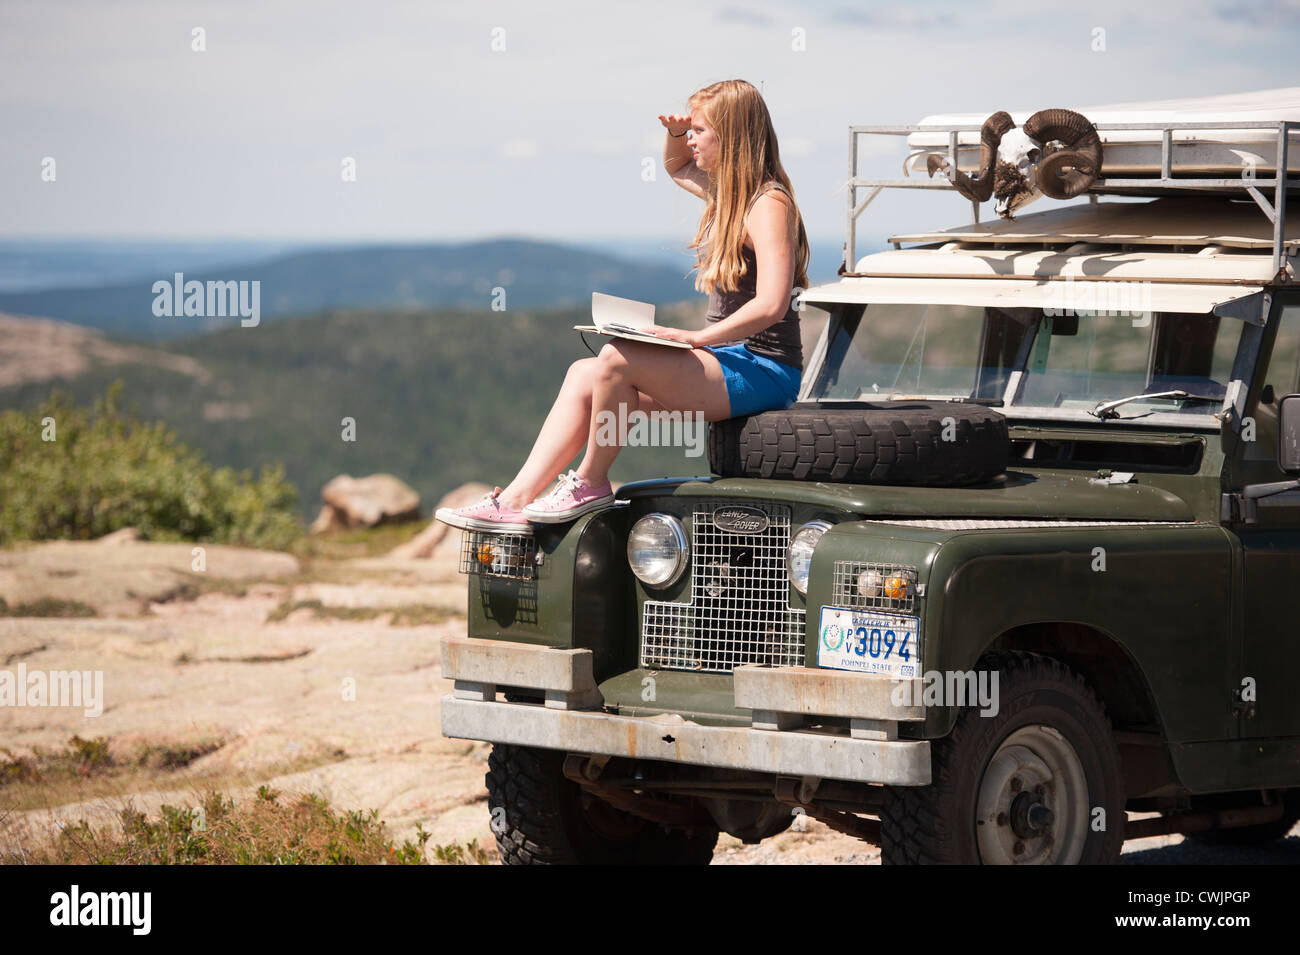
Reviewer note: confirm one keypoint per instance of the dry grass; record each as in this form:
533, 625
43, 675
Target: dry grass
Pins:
406, 615
271, 828
356, 542
86, 770
46, 607
268, 828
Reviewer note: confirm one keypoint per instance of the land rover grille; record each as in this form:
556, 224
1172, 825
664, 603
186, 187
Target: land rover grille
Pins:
738, 610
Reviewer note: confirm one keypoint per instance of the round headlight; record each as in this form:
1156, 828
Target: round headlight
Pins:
801, 549
656, 549
870, 583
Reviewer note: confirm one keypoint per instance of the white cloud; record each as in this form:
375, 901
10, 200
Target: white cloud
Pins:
520, 149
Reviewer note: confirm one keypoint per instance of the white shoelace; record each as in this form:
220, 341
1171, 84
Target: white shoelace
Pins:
568, 482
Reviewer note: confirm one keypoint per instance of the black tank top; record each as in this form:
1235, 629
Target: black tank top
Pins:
780, 341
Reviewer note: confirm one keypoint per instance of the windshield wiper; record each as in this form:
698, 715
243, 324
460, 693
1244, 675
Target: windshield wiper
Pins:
1106, 409
865, 395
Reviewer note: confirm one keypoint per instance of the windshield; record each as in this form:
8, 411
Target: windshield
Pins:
1072, 362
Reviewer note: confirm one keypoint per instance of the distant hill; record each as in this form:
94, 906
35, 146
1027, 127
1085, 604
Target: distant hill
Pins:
439, 397
418, 277
33, 263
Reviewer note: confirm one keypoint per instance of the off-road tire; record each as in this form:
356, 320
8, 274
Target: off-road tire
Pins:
890, 442
538, 818
1259, 835
936, 824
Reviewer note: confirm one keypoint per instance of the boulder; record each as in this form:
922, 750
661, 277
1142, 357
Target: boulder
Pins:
327, 520
423, 544
366, 502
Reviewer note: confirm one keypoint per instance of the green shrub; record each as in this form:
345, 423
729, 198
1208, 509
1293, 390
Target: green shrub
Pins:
105, 470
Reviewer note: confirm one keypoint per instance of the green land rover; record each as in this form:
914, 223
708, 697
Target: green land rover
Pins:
1009, 583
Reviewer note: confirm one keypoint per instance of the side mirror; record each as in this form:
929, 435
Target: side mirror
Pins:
1244, 506
1288, 434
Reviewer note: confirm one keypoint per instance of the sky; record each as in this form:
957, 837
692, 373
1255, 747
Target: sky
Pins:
485, 119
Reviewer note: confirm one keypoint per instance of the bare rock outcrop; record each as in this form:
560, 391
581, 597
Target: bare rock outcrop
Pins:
41, 349
119, 580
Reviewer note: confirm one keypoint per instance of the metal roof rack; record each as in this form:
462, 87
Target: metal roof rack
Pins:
1275, 211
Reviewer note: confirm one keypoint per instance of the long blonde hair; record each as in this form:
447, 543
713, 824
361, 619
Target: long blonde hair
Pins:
748, 158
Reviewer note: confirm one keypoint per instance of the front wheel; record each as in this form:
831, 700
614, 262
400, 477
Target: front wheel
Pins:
1039, 782
541, 817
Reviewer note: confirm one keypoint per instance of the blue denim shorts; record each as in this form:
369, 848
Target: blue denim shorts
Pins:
755, 383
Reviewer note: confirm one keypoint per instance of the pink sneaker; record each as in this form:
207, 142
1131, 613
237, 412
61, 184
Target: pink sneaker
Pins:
485, 514
570, 498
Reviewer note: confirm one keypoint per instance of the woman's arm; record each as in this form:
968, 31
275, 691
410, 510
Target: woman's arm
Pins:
678, 162
693, 179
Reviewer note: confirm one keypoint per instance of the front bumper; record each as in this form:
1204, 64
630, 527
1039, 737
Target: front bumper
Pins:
783, 701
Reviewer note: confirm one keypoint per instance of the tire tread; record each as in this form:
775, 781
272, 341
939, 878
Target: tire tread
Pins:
886, 443
913, 827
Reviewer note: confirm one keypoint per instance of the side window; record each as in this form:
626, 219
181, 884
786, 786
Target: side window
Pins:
1281, 377
1284, 364
1194, 351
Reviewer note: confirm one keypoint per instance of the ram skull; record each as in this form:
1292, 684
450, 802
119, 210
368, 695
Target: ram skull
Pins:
1056, 153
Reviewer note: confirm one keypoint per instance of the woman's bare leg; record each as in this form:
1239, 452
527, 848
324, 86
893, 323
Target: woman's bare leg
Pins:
628, 372
560, 439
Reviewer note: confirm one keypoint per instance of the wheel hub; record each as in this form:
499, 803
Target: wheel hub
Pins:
1032, 805
1030, 817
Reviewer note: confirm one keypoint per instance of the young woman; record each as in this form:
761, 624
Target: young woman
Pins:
752, 253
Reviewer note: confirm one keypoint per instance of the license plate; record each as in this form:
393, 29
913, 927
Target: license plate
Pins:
869, 642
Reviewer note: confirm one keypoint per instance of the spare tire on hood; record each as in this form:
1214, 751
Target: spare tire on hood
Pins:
887, 442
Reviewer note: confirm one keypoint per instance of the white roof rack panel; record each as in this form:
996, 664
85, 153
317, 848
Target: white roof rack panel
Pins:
1009, 293
1184, 221
1082, 262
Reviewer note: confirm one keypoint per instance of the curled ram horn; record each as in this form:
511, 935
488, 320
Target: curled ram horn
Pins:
979, 188
934, 162
1068, 172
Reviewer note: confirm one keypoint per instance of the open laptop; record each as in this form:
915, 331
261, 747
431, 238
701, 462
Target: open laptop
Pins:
622, 317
